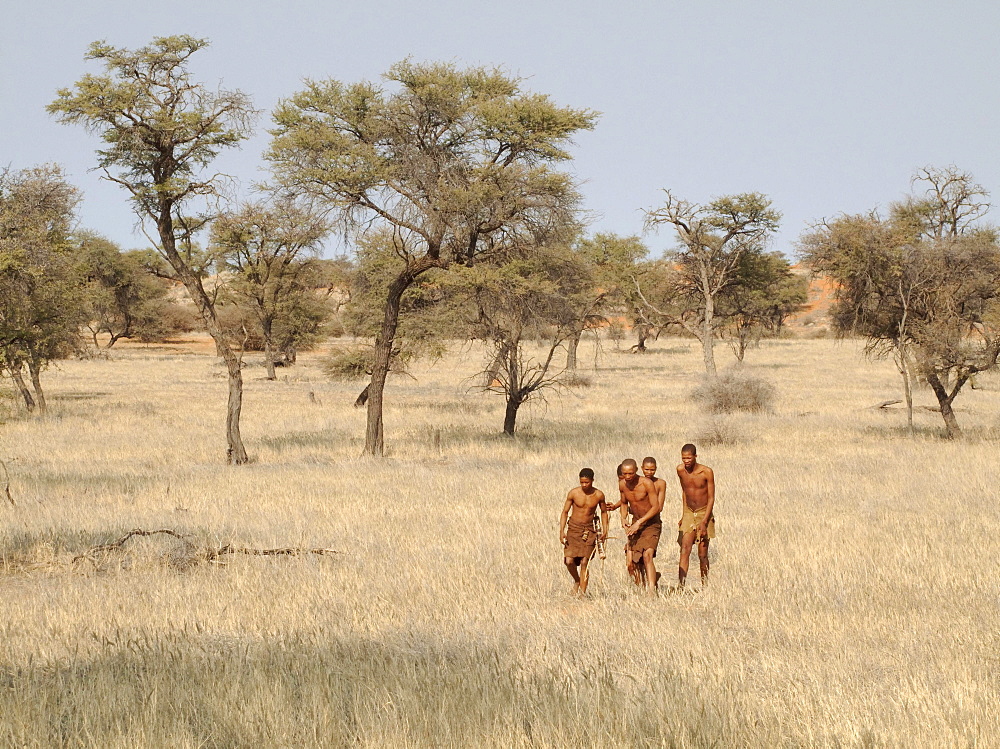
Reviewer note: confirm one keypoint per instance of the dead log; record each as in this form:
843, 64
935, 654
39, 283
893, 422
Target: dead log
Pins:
206, 554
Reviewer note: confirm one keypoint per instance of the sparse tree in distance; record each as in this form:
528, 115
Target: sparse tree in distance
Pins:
514, 306
923, 284
714, 238
41, 297
614, 261
455, 164
162, 130
270, 253
124, 300
763, 294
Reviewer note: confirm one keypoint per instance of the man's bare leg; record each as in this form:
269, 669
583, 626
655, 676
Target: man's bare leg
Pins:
703, 560
584, 575
687, 541
632, 568
650, 567
571, 566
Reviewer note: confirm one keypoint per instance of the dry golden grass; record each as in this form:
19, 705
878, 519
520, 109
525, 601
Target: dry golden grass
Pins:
853, 603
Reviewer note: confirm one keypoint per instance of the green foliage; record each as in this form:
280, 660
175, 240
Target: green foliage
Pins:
714, 240
160, 128
761, 296
268, 254
41, 295
124, 299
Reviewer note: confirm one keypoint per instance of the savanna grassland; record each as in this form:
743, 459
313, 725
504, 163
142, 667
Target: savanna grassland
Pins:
854, 597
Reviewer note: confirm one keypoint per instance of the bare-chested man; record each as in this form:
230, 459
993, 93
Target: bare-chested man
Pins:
577, 532
697, 505
639, 497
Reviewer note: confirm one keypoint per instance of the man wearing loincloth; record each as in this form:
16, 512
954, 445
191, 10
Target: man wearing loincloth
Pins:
578, 532
697, 518
639, 498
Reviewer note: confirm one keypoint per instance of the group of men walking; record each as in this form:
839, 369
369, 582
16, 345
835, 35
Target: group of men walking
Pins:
641, 501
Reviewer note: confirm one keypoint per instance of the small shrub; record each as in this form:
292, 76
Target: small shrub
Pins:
719, 432
349, 363
735, 390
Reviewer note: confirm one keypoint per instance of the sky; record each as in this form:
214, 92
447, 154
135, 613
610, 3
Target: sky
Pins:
826, 107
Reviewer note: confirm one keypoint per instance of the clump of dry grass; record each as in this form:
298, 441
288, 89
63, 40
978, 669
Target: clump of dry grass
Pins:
735, 390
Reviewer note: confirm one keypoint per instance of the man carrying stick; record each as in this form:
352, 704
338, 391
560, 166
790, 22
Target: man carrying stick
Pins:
640, 498
577, 532
698, 502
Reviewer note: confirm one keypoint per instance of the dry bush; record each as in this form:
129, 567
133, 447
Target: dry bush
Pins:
735, 390
720, 431
348, 363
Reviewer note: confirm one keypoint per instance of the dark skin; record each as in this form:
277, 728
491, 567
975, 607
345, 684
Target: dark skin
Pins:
583, 501
639, 497
697, 493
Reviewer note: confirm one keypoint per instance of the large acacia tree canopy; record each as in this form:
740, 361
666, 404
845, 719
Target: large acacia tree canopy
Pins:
160, 126
457, 160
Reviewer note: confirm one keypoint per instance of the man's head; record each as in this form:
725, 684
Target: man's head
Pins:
649, 467
629, 469
586, 477
689, 455
619, 470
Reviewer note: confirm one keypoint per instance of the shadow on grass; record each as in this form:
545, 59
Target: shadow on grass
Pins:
188, 689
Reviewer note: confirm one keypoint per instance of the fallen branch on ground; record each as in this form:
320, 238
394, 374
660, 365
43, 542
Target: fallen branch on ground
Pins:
207, 554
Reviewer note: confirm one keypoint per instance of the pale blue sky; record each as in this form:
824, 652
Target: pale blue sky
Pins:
824, 106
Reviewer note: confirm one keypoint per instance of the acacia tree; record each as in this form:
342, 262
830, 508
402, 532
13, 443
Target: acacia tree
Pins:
124, 300
162, 130
41, 304
271, 253
714, 240
611, 262
762, 296
456, 165
923, 284
519, 305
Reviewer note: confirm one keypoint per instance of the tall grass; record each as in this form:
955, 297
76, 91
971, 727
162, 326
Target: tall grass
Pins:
852, 602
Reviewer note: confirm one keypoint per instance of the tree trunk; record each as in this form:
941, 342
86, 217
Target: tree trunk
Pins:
574, 343
708, 338
374, 438
643, 332
235, 451
944, 402
16, 374
904, 370
491, 372
268, 350
35, 369
510, 416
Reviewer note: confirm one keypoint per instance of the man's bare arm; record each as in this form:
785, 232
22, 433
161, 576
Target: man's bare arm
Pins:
661, 493
603, 504
622, 505
710, 505
564, 517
